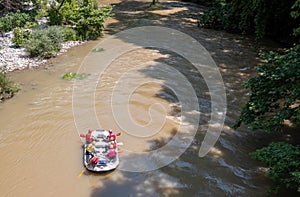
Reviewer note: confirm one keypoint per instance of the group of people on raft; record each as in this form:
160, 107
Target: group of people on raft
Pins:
108, 146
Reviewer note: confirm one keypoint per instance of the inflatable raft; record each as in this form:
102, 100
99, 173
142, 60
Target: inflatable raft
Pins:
104, 155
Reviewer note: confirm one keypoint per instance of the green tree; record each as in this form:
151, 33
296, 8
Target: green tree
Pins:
295, 13
259, 17
283, 161
275, 92
274, 101
89, 19
85, 16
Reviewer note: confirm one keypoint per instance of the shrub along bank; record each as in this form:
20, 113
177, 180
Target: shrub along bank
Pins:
42, 28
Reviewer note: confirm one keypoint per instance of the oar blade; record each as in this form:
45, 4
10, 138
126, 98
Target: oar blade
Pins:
81, 173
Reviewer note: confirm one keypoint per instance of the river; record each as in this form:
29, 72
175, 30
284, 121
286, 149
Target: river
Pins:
41, 149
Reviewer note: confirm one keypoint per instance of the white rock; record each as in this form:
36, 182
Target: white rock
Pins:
17, 59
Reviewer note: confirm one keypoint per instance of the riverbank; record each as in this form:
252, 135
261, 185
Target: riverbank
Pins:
12, 58
43, 115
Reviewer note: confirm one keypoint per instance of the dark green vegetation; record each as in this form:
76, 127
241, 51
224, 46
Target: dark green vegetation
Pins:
7, 6
276, 19
67, 20
81, 19
85, 16
274, 101
7, 87
283, 160
13, 20
275, 95
275, 92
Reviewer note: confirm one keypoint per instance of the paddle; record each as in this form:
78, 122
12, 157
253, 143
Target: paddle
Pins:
81, 173
82, 135
120, 151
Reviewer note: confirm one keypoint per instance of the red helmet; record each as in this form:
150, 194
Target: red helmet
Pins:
90, 131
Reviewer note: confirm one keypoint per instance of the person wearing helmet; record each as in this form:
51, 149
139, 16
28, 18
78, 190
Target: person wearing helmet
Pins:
90, 149
89, 137
94, 160
111, 154
111, 136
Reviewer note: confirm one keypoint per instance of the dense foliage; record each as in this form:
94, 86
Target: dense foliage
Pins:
78, 20
283, 161
260, 17
295, 13
69, 34
7, 6
12, 20
7, 87
85, 16
82, 18
275, 92
44, 43
89, 19
20, 36
274, 101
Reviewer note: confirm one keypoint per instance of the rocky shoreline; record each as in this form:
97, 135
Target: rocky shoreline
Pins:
12, 58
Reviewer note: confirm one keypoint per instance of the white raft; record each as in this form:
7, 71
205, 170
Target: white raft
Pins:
102, 150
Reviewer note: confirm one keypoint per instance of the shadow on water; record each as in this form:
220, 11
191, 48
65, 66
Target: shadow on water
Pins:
227, 170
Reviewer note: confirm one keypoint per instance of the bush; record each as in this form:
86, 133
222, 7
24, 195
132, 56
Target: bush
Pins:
68, 10
20, 36
84, 15
283, 161
12, 20
7, 87
89, 20
55, 17
69, 34
44, 43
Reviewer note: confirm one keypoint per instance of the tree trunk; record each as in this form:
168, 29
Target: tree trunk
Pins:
61, 4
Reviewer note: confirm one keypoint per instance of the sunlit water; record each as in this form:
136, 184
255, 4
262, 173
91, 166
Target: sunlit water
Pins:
40, 148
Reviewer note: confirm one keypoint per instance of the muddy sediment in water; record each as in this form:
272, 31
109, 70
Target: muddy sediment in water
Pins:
41, 148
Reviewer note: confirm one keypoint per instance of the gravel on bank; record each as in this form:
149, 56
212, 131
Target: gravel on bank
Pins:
12, 58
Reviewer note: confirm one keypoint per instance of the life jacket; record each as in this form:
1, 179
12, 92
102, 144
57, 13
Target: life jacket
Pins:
94, 160
88, 138
89, 148
112, 153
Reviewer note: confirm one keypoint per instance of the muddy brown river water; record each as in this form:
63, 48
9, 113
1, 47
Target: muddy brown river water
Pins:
40, 147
